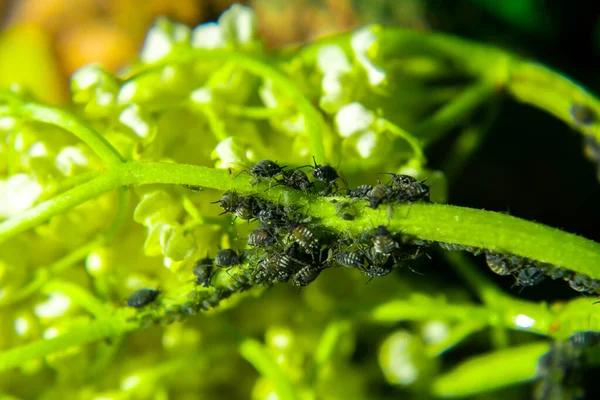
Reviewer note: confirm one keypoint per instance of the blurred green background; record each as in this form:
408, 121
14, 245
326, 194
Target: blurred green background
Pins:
530, 164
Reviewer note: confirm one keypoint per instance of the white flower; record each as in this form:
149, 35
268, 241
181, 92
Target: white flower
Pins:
56, 306
17, 194
160, 39
132, 118
366, 144
239, 24
334, 64
86, 77
362, 42
331, 59
208, 36
352, 119
68, 158
202, 95
229, 152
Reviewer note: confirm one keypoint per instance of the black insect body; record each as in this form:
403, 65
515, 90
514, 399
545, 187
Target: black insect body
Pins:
399, 181
582, 283
247, 208
266, 169
295, 179
306, 275
582, 114
203, 270
383, 242
305, 238
272, 215
557, 272
361, 192
498, 263
229, 202
282, 266
379, 194
351, 259
529, 276
227, 258
418, 191
261, 238
142, 297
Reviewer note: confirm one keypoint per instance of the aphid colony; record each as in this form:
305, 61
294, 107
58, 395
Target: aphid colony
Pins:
528, 272
288, 245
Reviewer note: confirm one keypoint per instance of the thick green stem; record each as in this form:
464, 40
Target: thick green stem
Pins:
438, 222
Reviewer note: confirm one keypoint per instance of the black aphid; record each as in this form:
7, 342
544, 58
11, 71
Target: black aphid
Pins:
305, 237
295, 179
266, 169
203, 270
418, 191
261, 238
399, 181
228, 202
351, 259
582, 114
383, 242
306, 275
324, 173
498, 263
529, 276
379, 194
142, 297
361, 192
582, 283
247, 208
272, 215
227, 258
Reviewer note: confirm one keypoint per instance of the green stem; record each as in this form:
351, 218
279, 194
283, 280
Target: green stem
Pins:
438, 222
68, 122
89, 332
256, 354
312, 119
454, 112
491, 371
412, 141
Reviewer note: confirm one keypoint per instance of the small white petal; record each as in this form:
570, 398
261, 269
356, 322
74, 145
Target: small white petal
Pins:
202, 95
56, 306
229, 152
19, 144
17, 194
86, 77
366, 143
93, 263
331, 59
37, 149
435, 332
524, 321
156, 46
267, 94
131, 117
69, 157
128, 90
130, 382
239, 24
50, 333
7, 123
21, 326
353, 118
363, 39
208, 36
104, 98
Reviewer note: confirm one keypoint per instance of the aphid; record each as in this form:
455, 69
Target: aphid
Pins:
557, 273
361, 192
383, 242
266, 169
295, 179
378, 195
498, 263
351, 259
227, 258
399, 181
529, 276
450, 246
247, 208
281, 265
228, 202
203, 270
305, 237
142, 297
418, 191
376, 271
582, 114
261, 238
306, 275
581, 283
193, 188
324, 173
272, 215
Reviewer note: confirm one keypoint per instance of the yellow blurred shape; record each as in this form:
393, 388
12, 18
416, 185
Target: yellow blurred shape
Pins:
26, 58
93, 42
